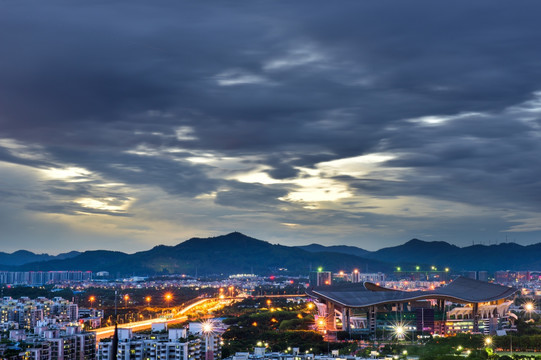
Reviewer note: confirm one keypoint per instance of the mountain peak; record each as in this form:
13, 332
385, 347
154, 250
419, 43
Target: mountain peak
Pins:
234, 239
24, 253
418, 242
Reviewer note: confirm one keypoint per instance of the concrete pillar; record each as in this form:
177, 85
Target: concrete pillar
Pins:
475, 316
371, 317
331, 322
348, 319
441, 305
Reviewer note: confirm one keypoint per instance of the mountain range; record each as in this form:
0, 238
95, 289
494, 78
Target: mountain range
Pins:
227, 254
238, 253
504, 256
21, 257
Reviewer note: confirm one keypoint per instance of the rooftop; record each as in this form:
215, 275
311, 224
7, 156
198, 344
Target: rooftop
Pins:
461, 290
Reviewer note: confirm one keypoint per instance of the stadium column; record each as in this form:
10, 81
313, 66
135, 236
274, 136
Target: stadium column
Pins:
441, 304
331, 322
348, 320
371, 317
475, 315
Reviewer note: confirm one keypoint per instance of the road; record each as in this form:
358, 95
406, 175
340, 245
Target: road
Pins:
279, 296
106, 332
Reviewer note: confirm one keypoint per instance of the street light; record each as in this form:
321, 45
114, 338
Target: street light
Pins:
147, 299
91, 299
168, 298
126, 298
488, 341
208, 327
399, 331
529, 307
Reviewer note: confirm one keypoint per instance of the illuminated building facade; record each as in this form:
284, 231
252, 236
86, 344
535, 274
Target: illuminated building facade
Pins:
374, 309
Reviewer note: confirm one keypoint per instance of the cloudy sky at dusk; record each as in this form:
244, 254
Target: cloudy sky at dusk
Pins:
127, 125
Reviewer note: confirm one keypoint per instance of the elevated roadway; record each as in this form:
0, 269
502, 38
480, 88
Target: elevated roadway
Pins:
106, 332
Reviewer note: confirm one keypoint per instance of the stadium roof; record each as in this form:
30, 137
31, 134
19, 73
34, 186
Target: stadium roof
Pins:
461, 290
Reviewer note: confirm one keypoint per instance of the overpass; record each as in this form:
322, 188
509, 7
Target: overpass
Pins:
105, 332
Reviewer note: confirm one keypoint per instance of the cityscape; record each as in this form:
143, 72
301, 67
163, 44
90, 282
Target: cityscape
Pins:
322, 313
270, 180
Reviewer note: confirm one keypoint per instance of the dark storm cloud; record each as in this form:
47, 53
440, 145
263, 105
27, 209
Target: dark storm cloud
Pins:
131, 91
251, 196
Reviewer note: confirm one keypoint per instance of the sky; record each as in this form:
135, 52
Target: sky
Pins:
128, 124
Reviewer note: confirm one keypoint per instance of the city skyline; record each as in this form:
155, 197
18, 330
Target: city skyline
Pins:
128, 125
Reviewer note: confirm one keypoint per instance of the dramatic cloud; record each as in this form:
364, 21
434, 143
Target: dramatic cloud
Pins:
369, 123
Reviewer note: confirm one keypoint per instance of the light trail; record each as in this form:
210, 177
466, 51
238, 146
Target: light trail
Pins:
106, 332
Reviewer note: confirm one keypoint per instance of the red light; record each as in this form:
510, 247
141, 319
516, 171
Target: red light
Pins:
291, 282
272, 277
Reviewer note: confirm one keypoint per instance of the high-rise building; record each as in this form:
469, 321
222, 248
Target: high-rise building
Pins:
482, 275
172, 346
320, 278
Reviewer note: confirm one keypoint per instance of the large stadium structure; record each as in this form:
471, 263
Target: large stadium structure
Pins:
464, 305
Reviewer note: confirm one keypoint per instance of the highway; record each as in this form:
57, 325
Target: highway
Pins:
106, 332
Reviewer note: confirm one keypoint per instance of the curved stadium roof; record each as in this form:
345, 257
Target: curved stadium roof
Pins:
462, 290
